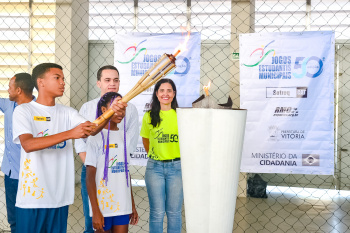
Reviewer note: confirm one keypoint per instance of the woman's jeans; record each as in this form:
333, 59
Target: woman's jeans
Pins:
164, 188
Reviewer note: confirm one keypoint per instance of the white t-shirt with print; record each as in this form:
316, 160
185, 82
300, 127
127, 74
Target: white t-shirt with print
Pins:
115, 198
46, 177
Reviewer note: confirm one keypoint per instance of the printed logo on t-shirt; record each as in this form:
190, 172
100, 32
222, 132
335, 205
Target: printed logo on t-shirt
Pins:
43, 133
116, 167
28, 186
166, 138
152, 155
112, 161
105, 198
42, 118
60, 145
112, 146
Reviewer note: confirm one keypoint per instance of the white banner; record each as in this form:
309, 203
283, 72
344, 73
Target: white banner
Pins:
287, 85
135, 53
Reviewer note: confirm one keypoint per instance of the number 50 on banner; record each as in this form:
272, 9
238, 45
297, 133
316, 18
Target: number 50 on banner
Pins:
316, 65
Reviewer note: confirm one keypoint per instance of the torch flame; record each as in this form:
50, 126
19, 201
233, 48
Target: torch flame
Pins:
182, 46
206, 88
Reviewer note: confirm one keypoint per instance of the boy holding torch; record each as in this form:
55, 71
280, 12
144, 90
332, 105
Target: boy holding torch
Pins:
45, 129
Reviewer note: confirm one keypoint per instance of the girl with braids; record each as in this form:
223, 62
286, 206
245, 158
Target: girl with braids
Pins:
108, 180
163, 173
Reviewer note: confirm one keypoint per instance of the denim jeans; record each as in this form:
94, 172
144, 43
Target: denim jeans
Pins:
85, 197
164, 188
11, 186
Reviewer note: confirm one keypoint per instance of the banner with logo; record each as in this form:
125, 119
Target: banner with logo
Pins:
287, 85
135, 53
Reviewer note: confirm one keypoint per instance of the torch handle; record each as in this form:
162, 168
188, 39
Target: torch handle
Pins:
152, 76
146, 75
109, 113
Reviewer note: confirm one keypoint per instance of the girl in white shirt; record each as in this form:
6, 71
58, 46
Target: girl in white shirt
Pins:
108, 180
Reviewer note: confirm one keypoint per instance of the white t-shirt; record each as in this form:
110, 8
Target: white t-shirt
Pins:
88, 110
46, 177
115, 198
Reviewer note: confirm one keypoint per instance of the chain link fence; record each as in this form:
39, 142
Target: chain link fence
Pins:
78, 34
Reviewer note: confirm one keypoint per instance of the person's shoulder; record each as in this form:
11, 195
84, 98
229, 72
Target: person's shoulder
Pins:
147, 115
29, 105
94, 137
169, 114
131, 105
24, 110
172, 113
90, 102
131, 112
62, 107
6, 100
5, 103
66, 110
94, 140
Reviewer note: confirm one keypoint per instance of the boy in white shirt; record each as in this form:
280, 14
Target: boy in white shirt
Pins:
45, 129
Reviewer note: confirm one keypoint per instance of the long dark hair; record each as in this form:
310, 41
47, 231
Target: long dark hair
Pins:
155, 104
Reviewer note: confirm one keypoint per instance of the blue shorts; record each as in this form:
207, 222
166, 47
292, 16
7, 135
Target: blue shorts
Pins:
53, 220
116, 220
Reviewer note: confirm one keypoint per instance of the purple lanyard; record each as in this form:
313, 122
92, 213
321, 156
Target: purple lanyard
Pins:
125, 154
105, 171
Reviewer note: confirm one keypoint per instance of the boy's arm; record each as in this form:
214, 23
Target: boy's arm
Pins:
97, 217
30, 143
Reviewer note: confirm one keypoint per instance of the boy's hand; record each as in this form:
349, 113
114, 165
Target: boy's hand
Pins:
119, 108
134, 217
83, 130
98, 221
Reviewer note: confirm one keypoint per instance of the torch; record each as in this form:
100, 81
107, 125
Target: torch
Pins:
160, 69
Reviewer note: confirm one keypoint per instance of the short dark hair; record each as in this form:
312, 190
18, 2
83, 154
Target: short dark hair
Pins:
41, 69
25, 82
107, 67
